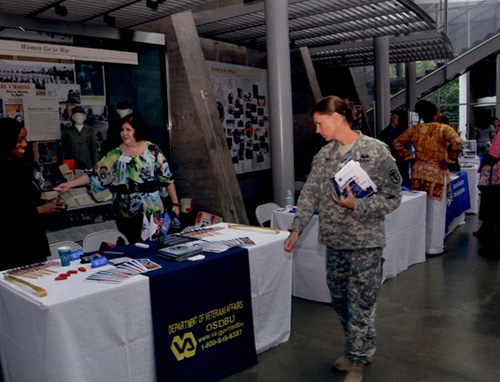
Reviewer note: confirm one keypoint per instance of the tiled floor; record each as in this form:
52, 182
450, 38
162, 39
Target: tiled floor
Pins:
437, 321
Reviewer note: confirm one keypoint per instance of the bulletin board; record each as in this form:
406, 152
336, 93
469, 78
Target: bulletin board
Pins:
242, 101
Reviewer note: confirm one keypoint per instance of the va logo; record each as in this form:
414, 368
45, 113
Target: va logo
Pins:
184, 347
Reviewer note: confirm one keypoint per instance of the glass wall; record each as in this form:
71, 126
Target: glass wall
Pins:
467, 23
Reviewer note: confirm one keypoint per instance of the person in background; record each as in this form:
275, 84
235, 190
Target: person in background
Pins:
23, 231
495, 123
489, 210
436, 145
352, 229
444, 119
137, 174
484, 135
388, 136
452, 166
113, 138
391, 132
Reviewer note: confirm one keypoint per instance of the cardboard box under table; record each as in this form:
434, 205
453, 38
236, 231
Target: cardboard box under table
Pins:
90, 331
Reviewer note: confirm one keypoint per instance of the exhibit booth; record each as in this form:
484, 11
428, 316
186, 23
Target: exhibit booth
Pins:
189, 320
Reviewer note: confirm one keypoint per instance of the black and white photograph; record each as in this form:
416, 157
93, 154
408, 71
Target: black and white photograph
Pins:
65, 93
41, 74
64, 116
97, 118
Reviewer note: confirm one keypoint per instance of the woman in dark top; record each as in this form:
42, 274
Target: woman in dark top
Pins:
22, 232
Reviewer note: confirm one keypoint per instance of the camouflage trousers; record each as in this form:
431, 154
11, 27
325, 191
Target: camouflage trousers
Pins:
354, 278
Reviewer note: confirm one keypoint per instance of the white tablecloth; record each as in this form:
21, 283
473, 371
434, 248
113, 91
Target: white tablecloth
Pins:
405, 235
88, 331
473, 179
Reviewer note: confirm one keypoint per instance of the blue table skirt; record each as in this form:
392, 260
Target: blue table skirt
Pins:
202, 315
459, 201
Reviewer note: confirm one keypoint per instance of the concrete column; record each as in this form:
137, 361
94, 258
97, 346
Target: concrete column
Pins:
382, 84
463, 113
280, 98
411, 85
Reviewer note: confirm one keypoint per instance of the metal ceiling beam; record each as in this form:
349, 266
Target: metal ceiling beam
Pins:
419, 11
420, 45
231, 12
417, 36
46, 8
65, 28
299, 10
109, 11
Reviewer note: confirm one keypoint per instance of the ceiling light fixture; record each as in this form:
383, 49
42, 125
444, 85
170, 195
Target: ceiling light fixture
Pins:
61, 10
109, 20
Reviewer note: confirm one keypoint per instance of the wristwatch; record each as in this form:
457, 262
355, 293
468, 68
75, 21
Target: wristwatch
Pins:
176, 205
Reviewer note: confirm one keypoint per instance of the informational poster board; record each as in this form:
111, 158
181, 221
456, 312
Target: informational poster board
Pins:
41, 90
41, 118
242, 101
42, 94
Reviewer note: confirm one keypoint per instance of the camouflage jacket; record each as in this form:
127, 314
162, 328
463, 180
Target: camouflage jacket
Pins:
364, 226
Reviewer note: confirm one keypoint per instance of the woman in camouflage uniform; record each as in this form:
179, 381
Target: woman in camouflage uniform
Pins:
352, 229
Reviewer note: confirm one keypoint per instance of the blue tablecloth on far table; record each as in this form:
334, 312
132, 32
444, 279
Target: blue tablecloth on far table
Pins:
459, 199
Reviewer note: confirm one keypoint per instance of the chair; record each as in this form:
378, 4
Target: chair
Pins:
54, 254
264, 213
93, 241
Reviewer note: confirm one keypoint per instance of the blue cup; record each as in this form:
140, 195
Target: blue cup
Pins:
65, 255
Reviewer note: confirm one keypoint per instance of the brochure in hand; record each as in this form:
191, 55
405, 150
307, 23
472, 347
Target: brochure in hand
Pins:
353, 175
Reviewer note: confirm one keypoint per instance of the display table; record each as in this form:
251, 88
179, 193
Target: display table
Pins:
473, 179
405, 236
470, 164
459, 201
88, 331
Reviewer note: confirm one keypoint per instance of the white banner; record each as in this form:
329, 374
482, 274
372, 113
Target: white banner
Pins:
65, 52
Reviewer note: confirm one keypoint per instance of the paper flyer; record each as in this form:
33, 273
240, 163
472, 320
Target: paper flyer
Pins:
353, 175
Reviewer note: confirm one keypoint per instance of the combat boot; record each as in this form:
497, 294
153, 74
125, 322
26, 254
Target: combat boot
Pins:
355, 373
342, 364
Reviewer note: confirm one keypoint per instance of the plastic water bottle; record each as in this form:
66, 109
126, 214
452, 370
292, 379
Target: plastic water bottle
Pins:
289, 199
